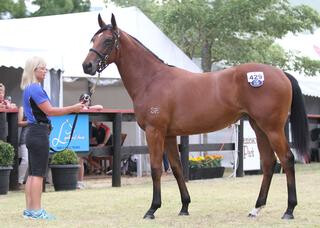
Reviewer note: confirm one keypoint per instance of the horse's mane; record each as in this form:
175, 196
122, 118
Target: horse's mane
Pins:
109, 27
157, 57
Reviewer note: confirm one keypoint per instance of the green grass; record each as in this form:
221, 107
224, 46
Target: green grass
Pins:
223, 202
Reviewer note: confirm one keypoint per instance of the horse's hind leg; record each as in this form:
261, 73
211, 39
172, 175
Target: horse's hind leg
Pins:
155, 140
280, 145
268, 162
173, 154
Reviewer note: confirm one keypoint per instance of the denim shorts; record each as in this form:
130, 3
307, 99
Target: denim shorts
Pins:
37, 142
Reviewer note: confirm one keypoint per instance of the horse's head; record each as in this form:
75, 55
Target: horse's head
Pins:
105, 45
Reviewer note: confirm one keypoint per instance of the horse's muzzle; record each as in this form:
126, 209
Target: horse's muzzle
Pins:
89, 68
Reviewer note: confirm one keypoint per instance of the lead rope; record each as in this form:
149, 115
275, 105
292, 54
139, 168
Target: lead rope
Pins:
93, 88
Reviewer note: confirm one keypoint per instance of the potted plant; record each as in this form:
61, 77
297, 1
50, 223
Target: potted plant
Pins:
6, 161
204, 167
64, 167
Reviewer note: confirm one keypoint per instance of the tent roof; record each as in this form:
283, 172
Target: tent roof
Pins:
310, 86
64, 40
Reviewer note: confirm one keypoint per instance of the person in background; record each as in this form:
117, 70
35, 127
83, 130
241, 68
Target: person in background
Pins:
5, 101
2, 89
37, 108
100, 136
166, 164
22, 150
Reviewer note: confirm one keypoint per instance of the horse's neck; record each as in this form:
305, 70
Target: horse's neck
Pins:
136, 65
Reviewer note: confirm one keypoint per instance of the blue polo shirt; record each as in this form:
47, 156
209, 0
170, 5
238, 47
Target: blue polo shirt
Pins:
34, 95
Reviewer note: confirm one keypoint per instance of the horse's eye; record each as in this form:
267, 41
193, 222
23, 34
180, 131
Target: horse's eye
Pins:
107, 42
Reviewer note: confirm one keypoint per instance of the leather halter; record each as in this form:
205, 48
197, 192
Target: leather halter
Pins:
103, 58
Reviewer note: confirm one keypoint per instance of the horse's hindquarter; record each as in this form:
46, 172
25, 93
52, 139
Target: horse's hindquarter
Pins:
268, 103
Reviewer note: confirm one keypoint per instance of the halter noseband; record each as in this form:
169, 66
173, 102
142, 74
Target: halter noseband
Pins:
103, 58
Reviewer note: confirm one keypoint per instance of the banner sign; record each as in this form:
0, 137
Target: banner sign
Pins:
251, 156
60, 134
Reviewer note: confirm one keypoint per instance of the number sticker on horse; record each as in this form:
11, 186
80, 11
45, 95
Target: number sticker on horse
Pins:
255, 78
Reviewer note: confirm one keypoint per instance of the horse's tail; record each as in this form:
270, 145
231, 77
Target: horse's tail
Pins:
298, 120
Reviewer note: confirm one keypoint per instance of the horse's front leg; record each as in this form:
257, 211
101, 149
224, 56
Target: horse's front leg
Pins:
171, 148
155, 140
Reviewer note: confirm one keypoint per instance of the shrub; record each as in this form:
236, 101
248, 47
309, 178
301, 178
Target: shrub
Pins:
64, 157
6, 154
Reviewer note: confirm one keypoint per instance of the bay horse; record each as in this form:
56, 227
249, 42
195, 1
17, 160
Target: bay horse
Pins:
170, 102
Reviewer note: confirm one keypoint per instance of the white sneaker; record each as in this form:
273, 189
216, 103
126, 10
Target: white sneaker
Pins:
81, 185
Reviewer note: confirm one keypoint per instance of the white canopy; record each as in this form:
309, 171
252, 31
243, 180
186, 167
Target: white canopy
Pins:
64, 40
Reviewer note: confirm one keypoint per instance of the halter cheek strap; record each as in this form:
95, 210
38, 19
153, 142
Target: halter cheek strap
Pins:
103, 58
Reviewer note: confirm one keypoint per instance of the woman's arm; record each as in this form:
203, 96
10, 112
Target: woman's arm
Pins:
107, 135
21, 122
49, 110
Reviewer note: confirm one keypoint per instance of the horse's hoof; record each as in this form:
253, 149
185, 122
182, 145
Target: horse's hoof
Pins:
147, 216
251, 215
287, 216
183, 213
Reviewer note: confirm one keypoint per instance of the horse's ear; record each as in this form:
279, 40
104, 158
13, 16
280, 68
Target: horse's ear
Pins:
101, 22
113, 22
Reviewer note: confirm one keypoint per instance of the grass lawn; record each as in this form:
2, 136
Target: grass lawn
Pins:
222, 202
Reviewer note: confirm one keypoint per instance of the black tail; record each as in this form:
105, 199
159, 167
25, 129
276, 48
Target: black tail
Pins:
298, 119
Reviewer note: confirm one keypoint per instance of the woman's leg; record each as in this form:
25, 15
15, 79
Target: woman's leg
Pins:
35, 192
38, 150
27, 191
24, 163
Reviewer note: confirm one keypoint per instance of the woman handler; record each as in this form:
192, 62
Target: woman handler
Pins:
37, 108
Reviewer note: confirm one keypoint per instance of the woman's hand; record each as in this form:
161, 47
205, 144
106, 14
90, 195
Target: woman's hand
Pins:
77, 107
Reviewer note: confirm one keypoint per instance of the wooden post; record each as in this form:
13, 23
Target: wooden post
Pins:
184, 156
239, 172
12, 119
3, 123
116, 169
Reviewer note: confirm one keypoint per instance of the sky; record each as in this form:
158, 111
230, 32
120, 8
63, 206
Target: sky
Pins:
95, 5
312, 3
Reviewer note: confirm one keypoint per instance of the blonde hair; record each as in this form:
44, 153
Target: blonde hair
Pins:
28, 76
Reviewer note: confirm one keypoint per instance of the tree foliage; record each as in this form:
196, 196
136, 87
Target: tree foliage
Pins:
234, 31
53, 7
17, 9
11, 8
